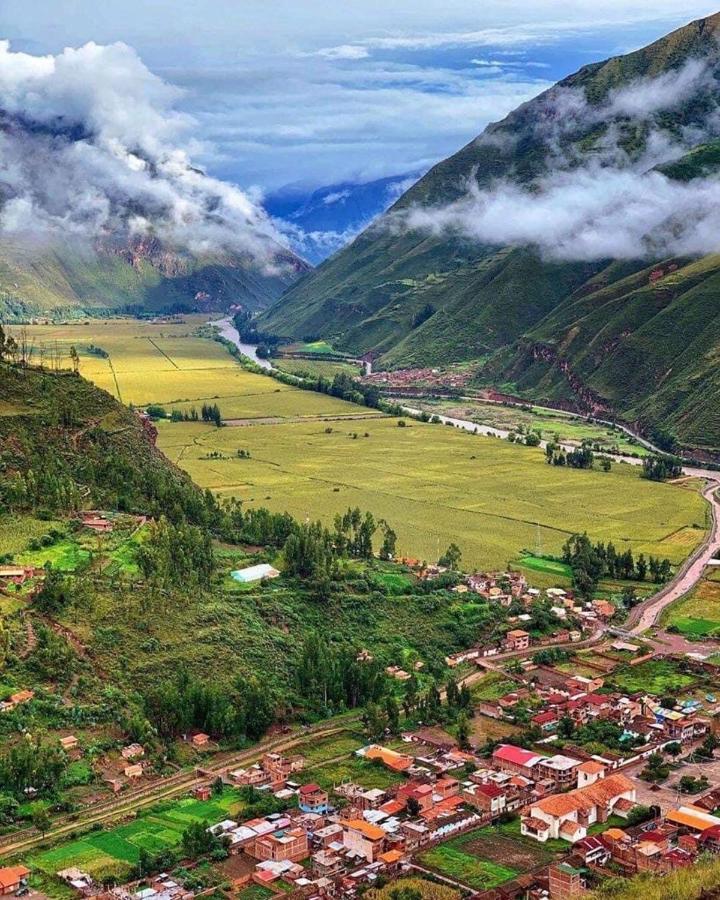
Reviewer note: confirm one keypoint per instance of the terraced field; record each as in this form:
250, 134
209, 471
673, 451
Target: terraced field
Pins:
698, 614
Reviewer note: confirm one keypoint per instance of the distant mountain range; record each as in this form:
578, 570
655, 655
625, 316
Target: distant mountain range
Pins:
572, 250
90, 227
321, 221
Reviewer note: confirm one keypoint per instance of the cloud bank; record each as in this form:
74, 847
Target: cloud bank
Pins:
93, 147
599, 203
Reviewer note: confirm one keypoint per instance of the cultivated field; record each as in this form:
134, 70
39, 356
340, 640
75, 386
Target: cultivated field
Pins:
168, 363
433, 484
548, 422
113, 851
436, 484
698, 614
487, 857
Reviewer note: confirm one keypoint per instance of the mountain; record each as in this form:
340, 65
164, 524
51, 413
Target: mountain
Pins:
68, 279
566, 250
91, 226
320, 222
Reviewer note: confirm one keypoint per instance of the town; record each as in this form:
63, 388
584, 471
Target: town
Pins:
580, 754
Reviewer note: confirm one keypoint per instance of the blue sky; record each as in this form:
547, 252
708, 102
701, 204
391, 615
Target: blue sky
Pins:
300, 91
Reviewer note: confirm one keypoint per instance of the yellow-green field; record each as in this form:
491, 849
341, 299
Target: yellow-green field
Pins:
167, 363
435, 485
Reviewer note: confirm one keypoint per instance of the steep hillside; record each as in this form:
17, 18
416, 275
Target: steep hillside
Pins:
628, 335
65, 444
62, 279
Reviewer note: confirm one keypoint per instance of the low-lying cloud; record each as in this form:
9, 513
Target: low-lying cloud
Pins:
92, 146
599, 202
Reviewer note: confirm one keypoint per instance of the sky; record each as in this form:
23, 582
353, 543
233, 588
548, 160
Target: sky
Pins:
309, 93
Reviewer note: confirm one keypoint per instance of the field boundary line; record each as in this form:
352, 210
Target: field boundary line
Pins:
160, 350
117, 385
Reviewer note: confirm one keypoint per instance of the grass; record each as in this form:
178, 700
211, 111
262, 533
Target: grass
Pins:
432, 483
119, 848
16, 532
352, 768
697, 614
550, 423
487, 857
656, 676
492, 686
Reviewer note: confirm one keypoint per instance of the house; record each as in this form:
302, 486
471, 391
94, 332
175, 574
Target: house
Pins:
200, 740
419, 791
134, 770
591, 850
290, 844
692, 818
568, 816
325, 863
12, 878
17, 575
69, 743
589, 772
561, 770
546, 721
517, 640
21, 697
486, 797
604, 608
509, 758
566, 882
364, 839
312, 798
99, 524
132, 751
254, 573
202, 792
391, 759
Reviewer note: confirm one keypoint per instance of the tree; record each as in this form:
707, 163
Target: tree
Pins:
639, 814
451, 557
75, 359
387, 550
392, 714
413, 807
41, 820
463, 731
374, 721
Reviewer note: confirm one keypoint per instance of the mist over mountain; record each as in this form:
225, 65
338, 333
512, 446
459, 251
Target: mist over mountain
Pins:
320, 222
97, 188
570, 249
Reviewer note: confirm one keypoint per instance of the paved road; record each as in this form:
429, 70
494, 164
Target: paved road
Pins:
647, 613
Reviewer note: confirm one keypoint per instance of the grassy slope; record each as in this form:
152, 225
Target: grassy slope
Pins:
646, 350
64, 281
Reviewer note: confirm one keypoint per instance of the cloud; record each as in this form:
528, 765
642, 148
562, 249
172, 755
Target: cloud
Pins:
94, 147
344, 51
605, 204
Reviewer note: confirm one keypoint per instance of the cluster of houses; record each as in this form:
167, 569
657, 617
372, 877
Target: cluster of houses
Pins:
556, 696
18, 575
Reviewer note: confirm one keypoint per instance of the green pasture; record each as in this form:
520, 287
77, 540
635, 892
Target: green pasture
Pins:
118, 848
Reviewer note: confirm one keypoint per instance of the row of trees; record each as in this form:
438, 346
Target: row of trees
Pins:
30, 764
591, 562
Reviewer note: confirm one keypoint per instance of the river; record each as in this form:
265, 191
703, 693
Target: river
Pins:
230, 333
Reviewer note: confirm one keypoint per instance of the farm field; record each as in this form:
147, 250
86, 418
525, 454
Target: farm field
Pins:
656, 676
315, 367
16, 532
435, 485
115, 850
698, 614
486, 858
549, 423
168, 363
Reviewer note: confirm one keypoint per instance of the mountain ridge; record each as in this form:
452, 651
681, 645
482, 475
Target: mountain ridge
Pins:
429, 296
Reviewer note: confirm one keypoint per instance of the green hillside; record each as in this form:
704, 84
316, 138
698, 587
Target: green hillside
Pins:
603, 335
63, 280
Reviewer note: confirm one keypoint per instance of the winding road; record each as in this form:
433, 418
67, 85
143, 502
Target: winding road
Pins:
647, 613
